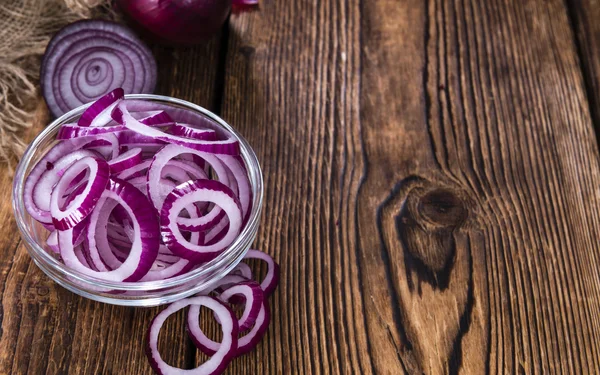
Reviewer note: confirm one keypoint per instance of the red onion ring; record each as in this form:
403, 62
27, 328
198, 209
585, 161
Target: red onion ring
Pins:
144, 249
84, 203
183, 196
221, 357
271, 280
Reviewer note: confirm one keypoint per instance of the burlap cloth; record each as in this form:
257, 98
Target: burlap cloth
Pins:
26, 26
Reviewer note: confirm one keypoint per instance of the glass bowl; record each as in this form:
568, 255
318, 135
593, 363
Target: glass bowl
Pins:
148, 293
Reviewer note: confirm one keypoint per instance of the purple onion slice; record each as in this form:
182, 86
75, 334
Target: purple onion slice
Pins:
187, 194
144, 248
88, 59
187, 131
228, 146
271, 280
98, 114
244, 270
126, 160
246, 342
82, 205
220, 358
253, 296
160, 161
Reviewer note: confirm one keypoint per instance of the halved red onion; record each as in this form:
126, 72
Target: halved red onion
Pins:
246, 342
187, 194
87, 59
271, 280
144, 248
228, 146
78, 209
220, 358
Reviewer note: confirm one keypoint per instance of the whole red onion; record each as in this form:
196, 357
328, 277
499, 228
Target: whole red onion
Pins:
178, 21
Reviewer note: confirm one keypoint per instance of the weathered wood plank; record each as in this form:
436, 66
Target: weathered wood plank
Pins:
426, 195
475, 122
584, 16
292, 86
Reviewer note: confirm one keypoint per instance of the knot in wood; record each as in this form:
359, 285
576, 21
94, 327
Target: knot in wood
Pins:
442, 207
426, 225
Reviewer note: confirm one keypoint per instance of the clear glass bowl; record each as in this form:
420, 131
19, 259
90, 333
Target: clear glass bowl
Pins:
148, 293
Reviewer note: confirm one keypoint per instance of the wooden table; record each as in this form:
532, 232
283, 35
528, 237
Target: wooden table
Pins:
432, 194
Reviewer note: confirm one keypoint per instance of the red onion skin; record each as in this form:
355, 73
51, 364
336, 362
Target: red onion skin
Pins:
178, 21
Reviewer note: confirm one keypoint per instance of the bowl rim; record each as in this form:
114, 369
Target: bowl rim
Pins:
234, 250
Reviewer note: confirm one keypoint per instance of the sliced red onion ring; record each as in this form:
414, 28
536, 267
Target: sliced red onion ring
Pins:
185, 195
246, 343
179, 115
52, 241
144, 249
253, 296
170, 270
271, 280
132, 139
221, 357
84, 203
244, 270
224, 282
98, 114
101, 254
216, 233
135, 171
163, 158
229, 146
187, 131
238, 170
48, 162
126, 160
181, 265
154, 118
81, 256
69, 131
105, 144
43, 187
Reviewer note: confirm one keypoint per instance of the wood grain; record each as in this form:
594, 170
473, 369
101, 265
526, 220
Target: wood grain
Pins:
431, 178
423, 190
584, 17
487, 226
